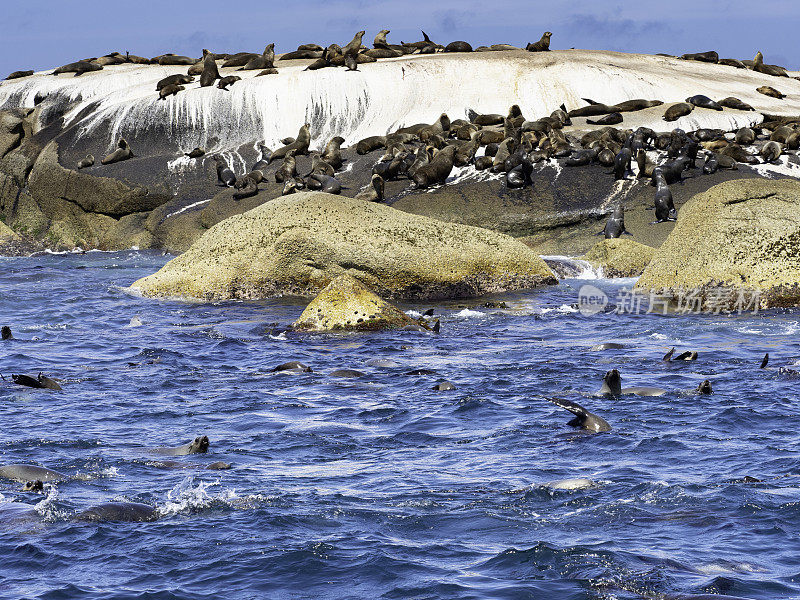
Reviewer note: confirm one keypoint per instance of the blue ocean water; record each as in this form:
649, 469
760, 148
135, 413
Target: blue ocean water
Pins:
380, 487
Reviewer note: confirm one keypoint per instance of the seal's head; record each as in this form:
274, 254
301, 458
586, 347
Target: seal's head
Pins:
33, 486
5, 333
704, 388
199, 445
613, 381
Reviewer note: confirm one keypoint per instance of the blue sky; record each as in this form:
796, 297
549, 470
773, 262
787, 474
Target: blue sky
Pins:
45, 34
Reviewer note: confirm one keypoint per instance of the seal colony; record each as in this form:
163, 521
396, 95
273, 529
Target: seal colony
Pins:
656, 139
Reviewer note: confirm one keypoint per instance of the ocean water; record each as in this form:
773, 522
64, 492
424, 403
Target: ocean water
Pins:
380, 487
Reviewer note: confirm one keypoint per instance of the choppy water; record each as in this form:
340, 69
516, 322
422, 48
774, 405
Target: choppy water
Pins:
380, 487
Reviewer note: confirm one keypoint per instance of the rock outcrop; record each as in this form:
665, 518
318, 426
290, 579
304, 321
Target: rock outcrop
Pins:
736, 237
620, 257
346, 304
300, 243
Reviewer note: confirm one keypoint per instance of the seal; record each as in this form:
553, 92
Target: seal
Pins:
622, 163
210, 71
610, 119
615, 226
735, 103
543, 45
437, 170
373, 193
175, 60
87, 162
646, 166
299, 146
225, 175
123, 152
79, 68
247, 189
739, 154
18, 74
239, 59
178, 79
170, 90
665, 208
33, 486
458, 46
612, 387
5, 333
704, 387
226, 81
347, 373
288, 170
764, 361
263, 61
583, 418
732, 62
262, 162
325, 183
272, 71
703, 102
484, 120
711, 163
354, 45
444, 386
710, 57
292, 366
128, 512
196, 153
198, 445
676, 111
771, 92
771, 151
24, 473
760, 67
40, 382
333, 153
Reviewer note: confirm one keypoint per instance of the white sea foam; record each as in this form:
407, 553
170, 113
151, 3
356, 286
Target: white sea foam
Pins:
185, 208
469, 314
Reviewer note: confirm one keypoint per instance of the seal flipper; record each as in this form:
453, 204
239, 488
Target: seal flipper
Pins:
583, 418
590, 101
764, 361
425, 35
668, 355
437, 326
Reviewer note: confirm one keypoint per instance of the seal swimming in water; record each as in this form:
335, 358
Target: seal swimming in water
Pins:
293, 366
119, 511
704, 387
615, 226
543, 45
444, 386
5, 333
87, 162
123, 152
41, 381
24, 473
764, 361
198, 445
612, 386
33, 486
583, 418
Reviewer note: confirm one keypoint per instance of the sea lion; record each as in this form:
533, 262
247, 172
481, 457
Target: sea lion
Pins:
198, 445
239, 59
33, 486
646, 166
606, 157
484, 120
711, 163
219, 466
79, 68
299, 146
333, 153
760, 67
18, 74
735, 103
288, 170
292, 366
350, 62
610, 119
615, 226
271, 71
263, 61
583, 418
612, 386
437, 170
424, 43
764, 361
607, 346
771, 151
23, 473
458, 47
5, 333
196, 153
622, 163
745, 136
298, 54
170, 90
704, 387
634, 105
123, 152
676, 111
226, 81
325, 183
665, 208
292, 185
128, 512
710, 57
247, 189
581, 158
210, 71
39, 382
173, 60
739, 154
543, 45
374, 192
380, 39
703, 102
770, 91
178, 79
732, 62
444, 386
520, 175
354, 45
225, 175
347, 373
87, 162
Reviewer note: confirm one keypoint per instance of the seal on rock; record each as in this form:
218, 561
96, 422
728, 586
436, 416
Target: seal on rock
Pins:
735, 103
227, 81
374, 192
771, 92
703, 102
299, 146
198, 445
615, 226
543, 45
18, 74
676, 111
195, 153
225, 175
210, 71
123, 152
87, 162
178, 79
610, 119
437, 170
170, 90
79, 68
583, 418
263, 61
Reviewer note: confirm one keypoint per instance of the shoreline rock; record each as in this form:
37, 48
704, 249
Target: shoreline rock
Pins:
620, 257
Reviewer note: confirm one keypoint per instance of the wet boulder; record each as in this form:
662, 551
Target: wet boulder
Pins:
620, 257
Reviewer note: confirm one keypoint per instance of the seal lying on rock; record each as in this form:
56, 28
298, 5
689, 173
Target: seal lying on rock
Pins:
543, 45
123, 152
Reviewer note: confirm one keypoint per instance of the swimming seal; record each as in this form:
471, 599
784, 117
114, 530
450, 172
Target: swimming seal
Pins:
612, 387
87, 162
444, 386
703, 102
129, 512
732, 102
178, 79
373, 193
198, 445
770, 91
583, 418
79, 68
210, 71
764, 361
615, 226
123, 152
33, 486
24, 473
704, 387
347, 373
5, 333
41, 381
676, 111
292, 366
543, 45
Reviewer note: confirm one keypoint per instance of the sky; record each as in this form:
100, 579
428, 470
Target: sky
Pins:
45, 34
